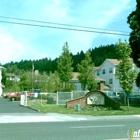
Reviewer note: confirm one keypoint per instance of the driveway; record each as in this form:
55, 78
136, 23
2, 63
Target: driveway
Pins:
7, 106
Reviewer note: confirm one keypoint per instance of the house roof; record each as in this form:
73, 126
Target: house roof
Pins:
99, 79
96, 68
10, 74
76, 74
114, 61
106, 87
1, 67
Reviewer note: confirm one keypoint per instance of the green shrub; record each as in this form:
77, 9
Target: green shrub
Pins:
51, 98
112, 104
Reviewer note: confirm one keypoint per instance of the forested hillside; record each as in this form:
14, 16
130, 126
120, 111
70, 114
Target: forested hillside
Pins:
98, 54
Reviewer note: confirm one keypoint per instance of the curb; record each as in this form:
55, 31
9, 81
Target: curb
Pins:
31, 108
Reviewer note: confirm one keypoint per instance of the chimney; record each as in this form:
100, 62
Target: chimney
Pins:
101, 87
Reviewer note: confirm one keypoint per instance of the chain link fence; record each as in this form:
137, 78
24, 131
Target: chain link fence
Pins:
59, 98
63, 97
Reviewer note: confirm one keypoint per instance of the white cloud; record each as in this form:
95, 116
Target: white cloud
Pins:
100, 13
55, 12
96, 14
10, 49
26, 42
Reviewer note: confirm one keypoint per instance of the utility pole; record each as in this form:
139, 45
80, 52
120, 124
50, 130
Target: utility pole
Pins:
32, 75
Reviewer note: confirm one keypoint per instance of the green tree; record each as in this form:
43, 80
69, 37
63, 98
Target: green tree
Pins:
39, 81
86, 77
52, 82
138, 80
15, 86
64, 65
125, 71
134, 21
3, 76
26, 81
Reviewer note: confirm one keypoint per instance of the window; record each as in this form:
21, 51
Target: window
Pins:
110, 81
110, 70
98, 73
103, 71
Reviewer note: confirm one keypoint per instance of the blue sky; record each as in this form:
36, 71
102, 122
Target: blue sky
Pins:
18, 42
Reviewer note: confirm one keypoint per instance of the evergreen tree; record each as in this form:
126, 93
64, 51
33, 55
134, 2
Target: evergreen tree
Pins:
134, 21
125, 71
86, 77
64, 65
3, 76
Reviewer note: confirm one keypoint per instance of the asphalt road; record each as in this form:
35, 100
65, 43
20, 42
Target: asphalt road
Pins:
7, 106
21, 123
80, 130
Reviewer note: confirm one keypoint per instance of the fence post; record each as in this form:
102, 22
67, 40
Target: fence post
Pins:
72, 95
41, 99
57, 98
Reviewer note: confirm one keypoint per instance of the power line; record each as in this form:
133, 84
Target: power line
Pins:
61, 24
63, 28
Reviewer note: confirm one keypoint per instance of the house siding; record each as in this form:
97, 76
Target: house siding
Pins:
107, 65
105, 74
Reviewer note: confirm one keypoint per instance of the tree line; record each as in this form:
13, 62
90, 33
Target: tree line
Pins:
51, 72
98, 55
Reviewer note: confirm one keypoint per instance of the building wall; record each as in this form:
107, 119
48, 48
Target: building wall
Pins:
115, 86
78, 86
107, 72
107, 76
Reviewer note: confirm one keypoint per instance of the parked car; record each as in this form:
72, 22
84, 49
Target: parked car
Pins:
5, 95
17, 95
133, 99
112, 95
14, 96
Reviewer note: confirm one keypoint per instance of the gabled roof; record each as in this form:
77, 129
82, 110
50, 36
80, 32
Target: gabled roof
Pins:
99, 79
10, 74
114, 61
96, 68
76, 74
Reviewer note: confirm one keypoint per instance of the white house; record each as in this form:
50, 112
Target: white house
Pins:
107, 71
12, 77
0, 80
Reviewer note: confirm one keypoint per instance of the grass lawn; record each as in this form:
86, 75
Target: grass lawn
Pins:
47, 108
